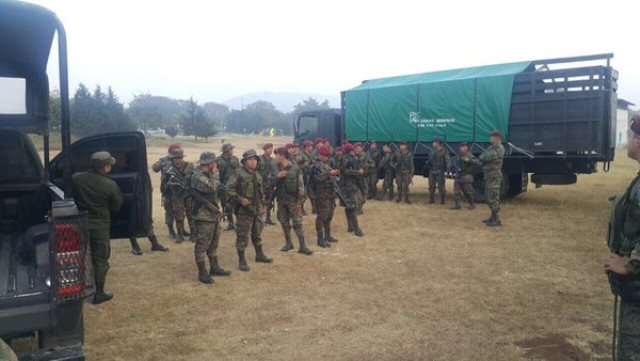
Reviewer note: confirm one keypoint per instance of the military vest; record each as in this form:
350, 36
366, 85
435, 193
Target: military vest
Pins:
288, 188
403, 162
226, 167
201, 180
250, 186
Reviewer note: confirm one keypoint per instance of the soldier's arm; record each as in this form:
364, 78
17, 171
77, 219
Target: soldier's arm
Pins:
447, 161
633, 263
232, 188
351, 167
488, 156
411, 165
300, 187
473, 160
157, 166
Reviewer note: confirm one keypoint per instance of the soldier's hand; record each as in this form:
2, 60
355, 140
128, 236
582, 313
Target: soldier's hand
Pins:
615, 264
360, 171
245, 202
334, 172
282, 174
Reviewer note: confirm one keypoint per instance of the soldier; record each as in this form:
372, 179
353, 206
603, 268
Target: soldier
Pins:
204, 180
463, 182
491, 160
267, 169
99, 196
151, 235
623, 265
176, 195
306, 157
402, 163
290, 195
376, 157
227, 165
386, 165
336, 159
246, 192
367, 165
162, 165
321, 182
351, 178
439, 164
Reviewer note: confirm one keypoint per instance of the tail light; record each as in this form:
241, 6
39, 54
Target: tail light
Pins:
69, 234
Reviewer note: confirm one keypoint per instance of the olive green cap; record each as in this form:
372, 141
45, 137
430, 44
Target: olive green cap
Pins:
104, 157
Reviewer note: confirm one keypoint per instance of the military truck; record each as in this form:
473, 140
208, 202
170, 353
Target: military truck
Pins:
45, 264
557, 115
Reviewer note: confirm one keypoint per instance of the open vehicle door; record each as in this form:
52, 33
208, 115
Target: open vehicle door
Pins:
130, 173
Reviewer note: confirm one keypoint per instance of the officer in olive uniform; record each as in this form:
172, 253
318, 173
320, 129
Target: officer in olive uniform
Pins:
204, 180
402, 164
351, 179
463, 182
321, 182
623, 265
439, 164
491, 160
176, 195
227, 166
162, 165
267, 169
290, 195
246, 192
375, 154
99, 196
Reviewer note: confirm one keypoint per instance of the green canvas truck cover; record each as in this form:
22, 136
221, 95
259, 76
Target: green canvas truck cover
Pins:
456, 105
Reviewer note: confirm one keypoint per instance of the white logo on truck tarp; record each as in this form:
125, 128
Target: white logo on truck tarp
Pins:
414, 118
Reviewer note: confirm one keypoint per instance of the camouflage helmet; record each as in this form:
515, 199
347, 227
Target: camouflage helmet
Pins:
249, 154
227, 147
176, 153
206, 158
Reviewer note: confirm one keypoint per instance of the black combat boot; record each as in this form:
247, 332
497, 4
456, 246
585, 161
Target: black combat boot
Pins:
327, 233
261, 257
472, 204
268, 220
432, 198
135, 247
242, 262
156, 246
443, 197
495, 222
382, 195
349, 222
203, 275
490, 219
172, 232
101, 296
390, 195
322, 242
356, 229
303, 248
215, 269
180, 229
399, 197
288, 246
456, 203
406, 198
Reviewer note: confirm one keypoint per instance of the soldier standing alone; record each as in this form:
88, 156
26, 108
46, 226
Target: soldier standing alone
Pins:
351, 178
402, 163
205, 182
227, 166
439, 164
491, 160
246, 192
322, 185
463, 183
99, 196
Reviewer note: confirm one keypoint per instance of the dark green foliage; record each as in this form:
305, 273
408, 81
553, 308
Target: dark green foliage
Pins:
98, 112
153, 112
195, 122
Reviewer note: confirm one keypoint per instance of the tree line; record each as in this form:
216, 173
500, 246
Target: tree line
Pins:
97, 111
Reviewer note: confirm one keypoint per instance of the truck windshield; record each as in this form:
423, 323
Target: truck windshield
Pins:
13, 99
308, 125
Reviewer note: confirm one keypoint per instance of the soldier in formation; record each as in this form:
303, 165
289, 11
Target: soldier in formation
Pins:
162, 165
402, 164
175, 196
351, 175
306, 157
375, 155
368, 166
386, 165
245, 190
290, 196
439, 164
227, 166
322, 179
491, 160
206, 233
465, 163
267, 169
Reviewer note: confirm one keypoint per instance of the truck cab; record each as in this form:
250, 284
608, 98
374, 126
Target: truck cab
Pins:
45, 264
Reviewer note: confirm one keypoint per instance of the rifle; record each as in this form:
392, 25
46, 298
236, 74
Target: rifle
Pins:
343, 198
456, 166
174, 181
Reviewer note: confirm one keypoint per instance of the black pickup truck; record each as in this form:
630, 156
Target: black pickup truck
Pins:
45, 265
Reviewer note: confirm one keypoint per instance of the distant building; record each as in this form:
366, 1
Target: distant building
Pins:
622, 121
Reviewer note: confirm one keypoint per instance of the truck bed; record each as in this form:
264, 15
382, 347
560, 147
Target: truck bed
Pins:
18, 277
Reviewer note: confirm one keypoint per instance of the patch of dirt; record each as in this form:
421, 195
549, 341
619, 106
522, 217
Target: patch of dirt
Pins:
552, 348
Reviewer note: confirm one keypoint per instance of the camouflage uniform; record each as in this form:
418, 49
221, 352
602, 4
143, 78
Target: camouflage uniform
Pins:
247, 184
463, 182
227, 166
335, 161
290, 195
624, 240
162, 165
402, 163
325, 201
304, 162
368, 165
175, 196
389, 175
351, 180
267, 167
439, 164
376, 158
491, 160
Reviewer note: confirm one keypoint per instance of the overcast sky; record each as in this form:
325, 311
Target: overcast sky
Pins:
215, 50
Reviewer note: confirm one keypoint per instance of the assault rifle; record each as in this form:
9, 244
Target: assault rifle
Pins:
197, 197
343, 198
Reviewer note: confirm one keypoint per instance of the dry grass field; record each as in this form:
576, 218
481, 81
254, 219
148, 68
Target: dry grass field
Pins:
425, 283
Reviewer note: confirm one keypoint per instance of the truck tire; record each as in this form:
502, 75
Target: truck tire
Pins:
478, 187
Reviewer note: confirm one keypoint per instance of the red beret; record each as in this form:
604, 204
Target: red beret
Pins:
323, 150
338, 149
635, 124
267, 146
345, 142
173, 147
348, 147
288, 146
308, 143
496, 133
319, 140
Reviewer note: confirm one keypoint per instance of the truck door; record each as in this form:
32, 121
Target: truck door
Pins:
130, 173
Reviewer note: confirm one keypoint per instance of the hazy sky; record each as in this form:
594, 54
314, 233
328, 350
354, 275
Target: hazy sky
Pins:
215, 50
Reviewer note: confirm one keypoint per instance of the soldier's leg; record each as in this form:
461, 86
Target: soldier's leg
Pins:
392, 177
256, 239
457, 194
467, 190
304, 200
135, 247
168, 216
400, 183
283, 218
202, 234
268, 196
356, 228
228, 210
295, 212
407, 183
178, 215
212, 252
187, 211
100, 253
155, 245
432, 187
442, 189
243, 229
327, 223
321, 215
629, 333
493, 200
